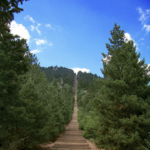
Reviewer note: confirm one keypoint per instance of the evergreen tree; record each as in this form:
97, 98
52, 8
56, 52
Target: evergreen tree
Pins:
123, 102
15, 60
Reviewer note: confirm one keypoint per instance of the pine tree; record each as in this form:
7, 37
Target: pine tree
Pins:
123, 102
15, 60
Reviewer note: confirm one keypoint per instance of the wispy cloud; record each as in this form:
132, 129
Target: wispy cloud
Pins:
30, 18
144, 17
141, 39
42, 41
147, 27
33, 27
20, 30
37, 29
49, 26
128, 38
35, 51
76, 70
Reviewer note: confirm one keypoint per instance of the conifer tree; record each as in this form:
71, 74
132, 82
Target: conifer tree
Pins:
15, 60
123, 102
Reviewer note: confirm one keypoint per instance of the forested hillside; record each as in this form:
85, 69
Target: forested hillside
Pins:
66, 75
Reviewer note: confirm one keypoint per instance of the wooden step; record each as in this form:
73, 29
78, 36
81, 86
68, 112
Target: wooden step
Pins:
79, 146
70, 149
72, 139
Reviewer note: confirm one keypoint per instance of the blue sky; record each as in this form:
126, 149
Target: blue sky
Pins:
73, 33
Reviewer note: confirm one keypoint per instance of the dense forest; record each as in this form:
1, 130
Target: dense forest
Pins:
86, 80
37, 102
33, 108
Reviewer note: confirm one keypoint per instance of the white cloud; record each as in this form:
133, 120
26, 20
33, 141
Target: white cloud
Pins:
35, 51
128, 38
147, 68
20, 30
76, 70
40, 41
144, 17
107, 59
139, 60
148, 65
30, 18
49, 26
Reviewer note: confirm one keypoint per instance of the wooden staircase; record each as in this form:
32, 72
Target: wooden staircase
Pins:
72, 139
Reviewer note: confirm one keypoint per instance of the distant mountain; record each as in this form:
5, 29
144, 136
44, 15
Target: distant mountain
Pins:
57, 73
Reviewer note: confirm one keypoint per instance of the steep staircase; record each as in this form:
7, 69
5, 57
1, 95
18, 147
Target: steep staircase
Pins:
72, 138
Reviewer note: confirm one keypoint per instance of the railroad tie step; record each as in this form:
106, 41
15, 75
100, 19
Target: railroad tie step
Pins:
70, 149
79, 146
72, 141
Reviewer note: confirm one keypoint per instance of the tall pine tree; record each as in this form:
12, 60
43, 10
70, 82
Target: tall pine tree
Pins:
123, 102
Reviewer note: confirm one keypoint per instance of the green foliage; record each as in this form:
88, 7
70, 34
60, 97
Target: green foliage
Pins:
91, 126
85, 80
7, 10
114, 113
13, 64
88, 119
122, 103
44, 109
32, 110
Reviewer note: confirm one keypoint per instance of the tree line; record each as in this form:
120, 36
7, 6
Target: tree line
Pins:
32, 109
115, 114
